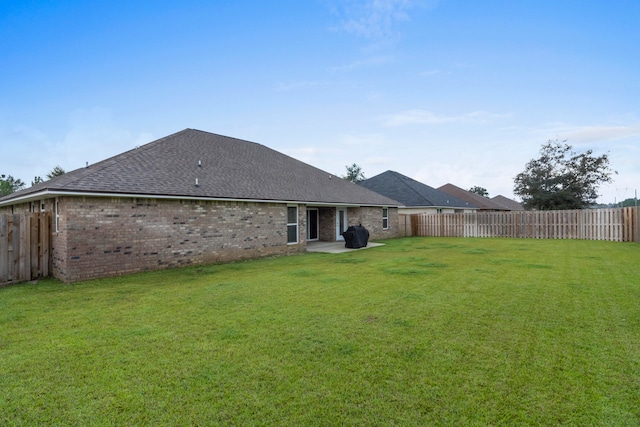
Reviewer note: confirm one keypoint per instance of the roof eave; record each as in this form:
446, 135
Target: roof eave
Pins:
45, 194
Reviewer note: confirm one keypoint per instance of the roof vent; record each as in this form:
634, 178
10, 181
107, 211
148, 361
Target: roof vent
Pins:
197, 185
199, 163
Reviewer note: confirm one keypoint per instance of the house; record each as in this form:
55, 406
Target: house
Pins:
195, 197
508, 203
482, 203
415, 196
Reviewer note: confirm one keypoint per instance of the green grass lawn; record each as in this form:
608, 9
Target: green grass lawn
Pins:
421, 331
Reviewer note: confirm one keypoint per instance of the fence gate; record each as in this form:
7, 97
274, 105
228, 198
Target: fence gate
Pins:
25, 247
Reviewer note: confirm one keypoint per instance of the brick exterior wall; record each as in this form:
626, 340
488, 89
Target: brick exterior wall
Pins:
327, 224
110, 236
102, 237
371, 218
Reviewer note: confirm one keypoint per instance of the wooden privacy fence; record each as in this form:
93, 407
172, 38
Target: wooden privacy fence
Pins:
617, 224
25, 247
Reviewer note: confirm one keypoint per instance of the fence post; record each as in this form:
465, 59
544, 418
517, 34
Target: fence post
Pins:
34, 246
4, 248
45, 243
635, 227
617, 224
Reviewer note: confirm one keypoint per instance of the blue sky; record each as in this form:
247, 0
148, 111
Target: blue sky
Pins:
464, 92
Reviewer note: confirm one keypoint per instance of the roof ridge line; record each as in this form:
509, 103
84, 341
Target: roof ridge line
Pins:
412, 189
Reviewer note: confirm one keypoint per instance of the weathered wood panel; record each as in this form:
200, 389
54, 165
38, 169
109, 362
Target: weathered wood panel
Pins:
616, 224
25, 247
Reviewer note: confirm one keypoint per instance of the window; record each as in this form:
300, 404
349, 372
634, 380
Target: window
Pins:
385, 218
292, 224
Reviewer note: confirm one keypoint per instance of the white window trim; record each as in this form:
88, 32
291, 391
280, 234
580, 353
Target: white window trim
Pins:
339, 236
289, 224
385, 218
57, 216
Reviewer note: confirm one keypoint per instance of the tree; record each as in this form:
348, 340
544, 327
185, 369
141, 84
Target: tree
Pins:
57, 171
354, 174
9, 184
481, 191
561, 178
629, 202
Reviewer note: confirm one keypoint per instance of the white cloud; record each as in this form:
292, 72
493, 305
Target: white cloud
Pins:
25, 152
95, 136
497, 179
92, 135
600, 133
375, 20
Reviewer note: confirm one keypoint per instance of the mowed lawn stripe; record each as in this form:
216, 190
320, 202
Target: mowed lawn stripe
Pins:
419, 331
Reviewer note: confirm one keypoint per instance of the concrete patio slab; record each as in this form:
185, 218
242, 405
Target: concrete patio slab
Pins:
336, 247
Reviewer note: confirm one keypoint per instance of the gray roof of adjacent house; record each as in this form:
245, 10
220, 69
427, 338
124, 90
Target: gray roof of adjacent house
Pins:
412, 193
507, 203
223, 167
479, 201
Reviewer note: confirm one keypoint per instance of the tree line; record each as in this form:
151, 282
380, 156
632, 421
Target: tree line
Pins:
560, 179
9, 184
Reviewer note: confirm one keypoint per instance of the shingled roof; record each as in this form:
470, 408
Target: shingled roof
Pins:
224, 167
507, 203
412, 193
476, 199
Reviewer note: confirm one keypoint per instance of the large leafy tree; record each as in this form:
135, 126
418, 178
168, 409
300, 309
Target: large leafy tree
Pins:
561, 178
480, 191
629, 202
354, 173
9, 184
57, 171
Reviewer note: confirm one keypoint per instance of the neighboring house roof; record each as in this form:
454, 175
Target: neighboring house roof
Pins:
479, 201
224, 167
508, 203
412, 193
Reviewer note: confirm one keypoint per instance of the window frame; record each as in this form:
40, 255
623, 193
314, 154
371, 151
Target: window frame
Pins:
385, 218
293, 225
57, 215
316, 230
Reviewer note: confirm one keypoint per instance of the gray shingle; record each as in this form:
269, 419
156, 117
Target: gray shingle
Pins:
412, 193
507, 203
476, 199
230, 168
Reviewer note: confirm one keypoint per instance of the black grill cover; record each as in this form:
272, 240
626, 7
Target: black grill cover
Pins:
356, 237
